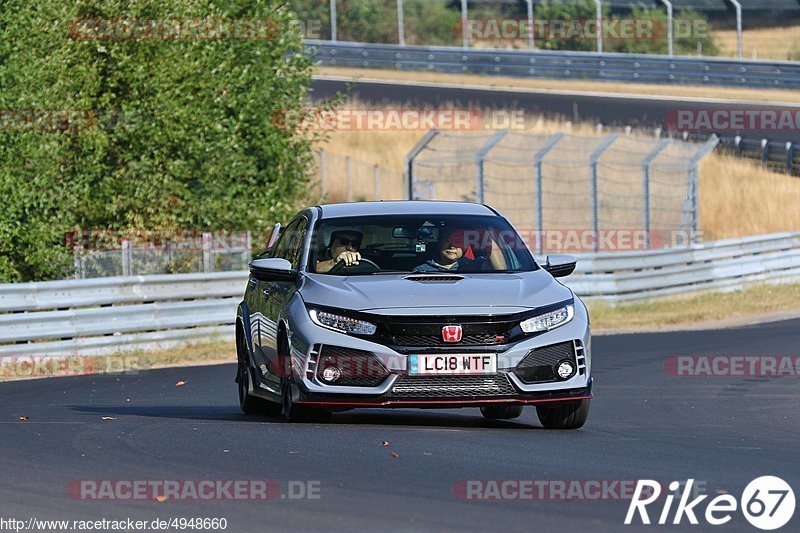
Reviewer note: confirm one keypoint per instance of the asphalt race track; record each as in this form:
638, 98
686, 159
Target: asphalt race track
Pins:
611, 110
644, 423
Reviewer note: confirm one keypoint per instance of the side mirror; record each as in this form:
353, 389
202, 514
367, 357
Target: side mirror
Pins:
561, 265
273, 269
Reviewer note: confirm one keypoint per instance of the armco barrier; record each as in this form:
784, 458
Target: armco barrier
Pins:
640, 68
107, 315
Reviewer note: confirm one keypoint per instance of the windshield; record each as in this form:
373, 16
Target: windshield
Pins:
417, 243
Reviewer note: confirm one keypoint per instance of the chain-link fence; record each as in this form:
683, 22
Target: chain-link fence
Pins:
102, 254
340, 178
559, 187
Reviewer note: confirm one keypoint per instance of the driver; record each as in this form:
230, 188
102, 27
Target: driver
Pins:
344, 245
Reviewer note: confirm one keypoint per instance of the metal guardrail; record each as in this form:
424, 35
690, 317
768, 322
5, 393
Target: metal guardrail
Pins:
640, 68
109, 315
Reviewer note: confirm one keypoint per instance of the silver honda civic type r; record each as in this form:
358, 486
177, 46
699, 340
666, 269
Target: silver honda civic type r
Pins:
411, 304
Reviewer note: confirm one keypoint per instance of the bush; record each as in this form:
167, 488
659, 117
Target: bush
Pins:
168, 133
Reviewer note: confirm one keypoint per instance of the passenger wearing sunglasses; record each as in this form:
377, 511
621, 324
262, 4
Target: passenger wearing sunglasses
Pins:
343, 247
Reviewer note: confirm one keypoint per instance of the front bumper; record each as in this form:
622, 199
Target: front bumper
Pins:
340, 401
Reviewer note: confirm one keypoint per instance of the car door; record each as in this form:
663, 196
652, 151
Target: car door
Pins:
272, 296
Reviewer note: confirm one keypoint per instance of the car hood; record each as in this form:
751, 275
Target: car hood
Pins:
501, 293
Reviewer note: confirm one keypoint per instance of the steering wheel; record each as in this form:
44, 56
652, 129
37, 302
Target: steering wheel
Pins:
364, 266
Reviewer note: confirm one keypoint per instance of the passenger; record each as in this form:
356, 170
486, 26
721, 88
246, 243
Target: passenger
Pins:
451, 255
344, 245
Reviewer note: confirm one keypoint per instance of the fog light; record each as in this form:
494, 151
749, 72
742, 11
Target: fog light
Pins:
565, 369
331, 374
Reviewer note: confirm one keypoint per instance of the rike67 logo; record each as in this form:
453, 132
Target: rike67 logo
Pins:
767, 503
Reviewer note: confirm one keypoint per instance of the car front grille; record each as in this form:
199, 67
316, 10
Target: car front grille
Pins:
480, 339
452, 386
539, 365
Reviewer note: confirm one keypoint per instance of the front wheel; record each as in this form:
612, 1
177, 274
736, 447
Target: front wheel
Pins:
294, 412
567, 415
248, 403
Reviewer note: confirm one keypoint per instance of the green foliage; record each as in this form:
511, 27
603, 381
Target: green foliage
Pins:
181, 132
689, 28
558, 10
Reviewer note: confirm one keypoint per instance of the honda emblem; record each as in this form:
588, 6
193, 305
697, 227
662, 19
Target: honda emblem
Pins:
452, 333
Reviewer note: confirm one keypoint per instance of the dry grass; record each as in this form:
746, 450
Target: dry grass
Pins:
762, 43
686, 91
738, 197
722, 307
212, 352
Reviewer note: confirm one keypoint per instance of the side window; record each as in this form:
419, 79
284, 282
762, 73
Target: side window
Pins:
290, 245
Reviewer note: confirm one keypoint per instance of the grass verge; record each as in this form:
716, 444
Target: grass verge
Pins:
723, 309
27, 367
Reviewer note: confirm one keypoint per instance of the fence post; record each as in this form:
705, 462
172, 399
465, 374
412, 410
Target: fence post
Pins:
764, 151
531, 34
464, 30
248, 245
669, 25
646, 163
349, 177
692, 199
323, 164
333, 21
738, 7
401, 32
599, 9
126, 257
376, 176
593, 159
537, 161
789, 157
207, 267
409, 160
480, 186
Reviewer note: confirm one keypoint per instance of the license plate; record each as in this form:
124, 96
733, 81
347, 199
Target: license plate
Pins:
428, 364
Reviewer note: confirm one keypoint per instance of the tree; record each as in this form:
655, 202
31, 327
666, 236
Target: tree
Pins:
151, 130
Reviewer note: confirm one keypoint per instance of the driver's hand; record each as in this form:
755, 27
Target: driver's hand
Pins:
349, 258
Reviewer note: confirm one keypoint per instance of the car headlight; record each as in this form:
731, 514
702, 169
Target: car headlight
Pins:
342, 324
548, 321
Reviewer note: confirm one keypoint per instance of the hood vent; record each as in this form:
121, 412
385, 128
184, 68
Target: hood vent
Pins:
435, 278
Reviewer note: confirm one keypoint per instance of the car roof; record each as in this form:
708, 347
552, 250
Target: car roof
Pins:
404, 207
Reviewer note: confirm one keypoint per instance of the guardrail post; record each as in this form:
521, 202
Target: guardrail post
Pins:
401, 32
480, 156
764, 151
669, 25
737, 145
646, 163
789, 157
408, 162
376, 176
537, 162
126, 257
333, 21
593, 159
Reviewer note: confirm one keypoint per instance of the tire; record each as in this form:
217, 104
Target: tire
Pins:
249, 404
501, 412
293, 412
568, 415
